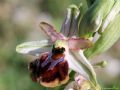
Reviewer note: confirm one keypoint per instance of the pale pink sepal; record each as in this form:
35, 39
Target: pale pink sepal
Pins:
50, 31
79, 43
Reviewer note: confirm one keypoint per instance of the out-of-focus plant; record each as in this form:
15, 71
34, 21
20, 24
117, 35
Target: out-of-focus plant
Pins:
74, 43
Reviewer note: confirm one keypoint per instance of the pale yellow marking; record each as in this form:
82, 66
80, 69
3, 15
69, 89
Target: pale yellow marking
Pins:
54, 83
65, 80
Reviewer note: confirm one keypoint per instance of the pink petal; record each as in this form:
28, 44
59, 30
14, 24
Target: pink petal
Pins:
50, 31
79, 43
70, 25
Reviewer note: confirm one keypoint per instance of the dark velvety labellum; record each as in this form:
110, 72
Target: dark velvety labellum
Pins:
43, 73
58, 50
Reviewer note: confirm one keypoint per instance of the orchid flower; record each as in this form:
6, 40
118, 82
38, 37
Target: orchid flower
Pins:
66, 42
79, 83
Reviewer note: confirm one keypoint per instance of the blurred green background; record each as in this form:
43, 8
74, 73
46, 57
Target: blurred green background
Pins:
19, 22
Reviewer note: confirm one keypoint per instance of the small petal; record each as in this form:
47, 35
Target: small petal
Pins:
50, 31
70, 24
34, 47
79, 43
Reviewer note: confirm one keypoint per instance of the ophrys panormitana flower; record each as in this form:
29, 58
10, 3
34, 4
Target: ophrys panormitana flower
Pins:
54, 56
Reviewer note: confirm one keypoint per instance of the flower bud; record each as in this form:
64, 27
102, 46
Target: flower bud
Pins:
112, 14
107, 39
92, 19
101, 64
80, 83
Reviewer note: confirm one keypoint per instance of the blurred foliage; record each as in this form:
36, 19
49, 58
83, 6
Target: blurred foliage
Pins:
57, 8
15, 28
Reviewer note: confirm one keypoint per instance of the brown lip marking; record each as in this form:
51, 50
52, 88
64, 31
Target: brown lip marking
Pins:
56, 76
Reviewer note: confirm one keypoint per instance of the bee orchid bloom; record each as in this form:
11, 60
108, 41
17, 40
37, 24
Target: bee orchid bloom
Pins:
57, 54
54, 56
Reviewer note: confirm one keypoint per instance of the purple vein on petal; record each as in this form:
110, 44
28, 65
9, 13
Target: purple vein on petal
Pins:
50, 31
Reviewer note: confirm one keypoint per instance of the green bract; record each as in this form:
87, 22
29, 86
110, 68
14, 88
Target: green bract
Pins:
94, 16
112, 14
107, 39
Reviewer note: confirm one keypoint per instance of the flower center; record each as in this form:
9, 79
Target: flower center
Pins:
55, 53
